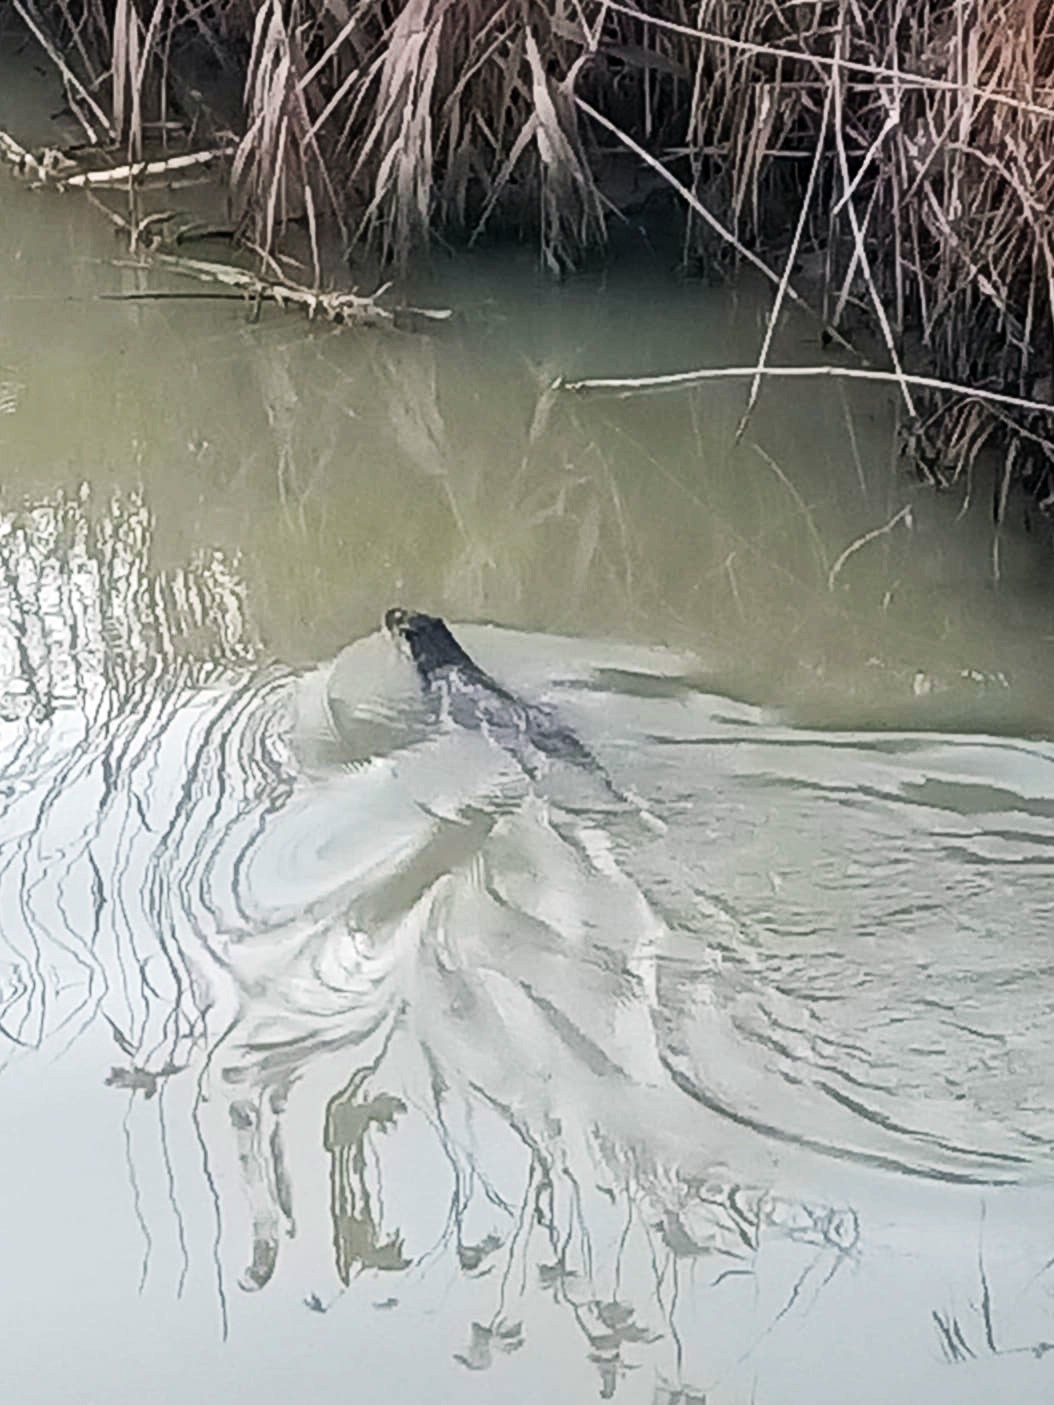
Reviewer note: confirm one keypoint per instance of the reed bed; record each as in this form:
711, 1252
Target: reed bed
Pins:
887, 162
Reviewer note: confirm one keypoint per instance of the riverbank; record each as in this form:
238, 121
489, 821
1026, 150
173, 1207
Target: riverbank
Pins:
890, 169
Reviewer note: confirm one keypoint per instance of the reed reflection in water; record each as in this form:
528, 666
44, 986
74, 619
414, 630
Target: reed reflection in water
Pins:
540, 1074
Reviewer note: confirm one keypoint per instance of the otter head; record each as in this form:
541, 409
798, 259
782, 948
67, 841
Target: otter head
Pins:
425, 639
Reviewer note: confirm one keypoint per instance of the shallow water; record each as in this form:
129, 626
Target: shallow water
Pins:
338, 1053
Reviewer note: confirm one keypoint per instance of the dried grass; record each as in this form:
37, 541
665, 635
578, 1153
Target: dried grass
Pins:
910, 149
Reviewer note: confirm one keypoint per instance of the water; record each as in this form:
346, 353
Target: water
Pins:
337, 1053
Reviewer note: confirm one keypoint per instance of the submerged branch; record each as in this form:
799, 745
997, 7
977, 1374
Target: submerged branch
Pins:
904, 515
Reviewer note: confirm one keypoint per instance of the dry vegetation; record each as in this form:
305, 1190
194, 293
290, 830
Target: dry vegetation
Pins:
895, 160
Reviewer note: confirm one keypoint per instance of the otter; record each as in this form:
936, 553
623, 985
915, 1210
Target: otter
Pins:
466, 695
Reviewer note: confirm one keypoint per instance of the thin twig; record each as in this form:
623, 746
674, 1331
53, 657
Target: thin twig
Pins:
681, 380
859, 243
1000, 508
168, 295
792, 255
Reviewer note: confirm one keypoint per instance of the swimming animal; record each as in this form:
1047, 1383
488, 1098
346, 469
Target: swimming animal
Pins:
532, 733
466, 695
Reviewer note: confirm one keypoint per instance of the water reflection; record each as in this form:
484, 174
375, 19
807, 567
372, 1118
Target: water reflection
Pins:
660, 1100
332, 1041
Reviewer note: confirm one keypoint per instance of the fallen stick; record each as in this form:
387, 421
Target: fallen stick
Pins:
52, 166
167, 295
348, 308
648, 385
140, 170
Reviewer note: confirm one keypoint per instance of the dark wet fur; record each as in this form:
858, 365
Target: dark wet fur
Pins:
432, 646
474, 699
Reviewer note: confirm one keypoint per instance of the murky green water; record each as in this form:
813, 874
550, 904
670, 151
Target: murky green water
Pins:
340, 1057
